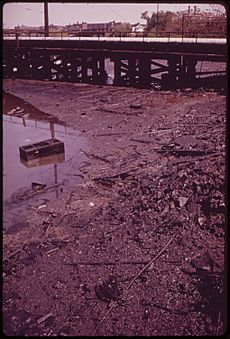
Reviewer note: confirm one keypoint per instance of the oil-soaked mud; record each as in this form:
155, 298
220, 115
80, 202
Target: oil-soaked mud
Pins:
137, 248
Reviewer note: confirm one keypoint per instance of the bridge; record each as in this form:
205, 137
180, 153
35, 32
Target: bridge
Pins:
139, 62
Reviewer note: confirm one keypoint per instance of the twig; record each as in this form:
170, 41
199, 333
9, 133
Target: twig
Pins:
69, 199
114, 304
42, 319
95, 156
144, 141
108, 134
13, 253
65, 216
107, 263
120, 174
168, 309
53, 250
151, 261
218, 324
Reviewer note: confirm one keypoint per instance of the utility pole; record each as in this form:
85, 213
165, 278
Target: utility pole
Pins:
157, 18
46, 18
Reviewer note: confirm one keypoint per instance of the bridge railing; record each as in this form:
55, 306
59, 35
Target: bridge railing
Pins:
120, 35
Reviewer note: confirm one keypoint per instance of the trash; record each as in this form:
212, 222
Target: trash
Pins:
91, 204
11, 111
136, 106
108, 290
186, 141
37, 186
16, 111
182, 201
41, 149
203, 263
45, 317
19, 111
42, 206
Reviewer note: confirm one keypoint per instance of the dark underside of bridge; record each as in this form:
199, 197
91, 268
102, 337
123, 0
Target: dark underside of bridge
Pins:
137, 64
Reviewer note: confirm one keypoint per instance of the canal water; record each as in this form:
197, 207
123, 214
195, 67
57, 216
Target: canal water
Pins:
59, 174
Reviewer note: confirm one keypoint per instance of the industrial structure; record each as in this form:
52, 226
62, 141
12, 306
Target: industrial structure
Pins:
137, 62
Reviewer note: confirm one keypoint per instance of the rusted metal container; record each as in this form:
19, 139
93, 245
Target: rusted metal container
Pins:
41, 149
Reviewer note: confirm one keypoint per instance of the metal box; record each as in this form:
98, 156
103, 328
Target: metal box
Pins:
41, 149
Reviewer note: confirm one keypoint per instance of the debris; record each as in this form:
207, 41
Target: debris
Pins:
37, 186
183, 201
68, 201
41, 149
95, 156
53, 250
121, 175
16, 227
187, 140
136, 106
114, 304
11, 111
19, 111
42, 206
91, 204
203, 263
144, 141
108, 290
44, 318
108, 134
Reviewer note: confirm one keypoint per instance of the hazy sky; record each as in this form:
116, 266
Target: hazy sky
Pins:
31, 14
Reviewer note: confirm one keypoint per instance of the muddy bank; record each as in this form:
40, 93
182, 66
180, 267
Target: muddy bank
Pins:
138, 247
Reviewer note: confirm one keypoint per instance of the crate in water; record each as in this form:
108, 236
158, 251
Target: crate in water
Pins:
41, 149
50, 160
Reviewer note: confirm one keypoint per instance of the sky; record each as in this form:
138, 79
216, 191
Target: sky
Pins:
31, 14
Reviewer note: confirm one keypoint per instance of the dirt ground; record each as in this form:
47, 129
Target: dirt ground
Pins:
138, 249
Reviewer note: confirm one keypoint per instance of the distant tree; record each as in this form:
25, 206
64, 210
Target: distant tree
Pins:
151, 20
195, 22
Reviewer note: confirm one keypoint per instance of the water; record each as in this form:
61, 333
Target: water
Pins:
60, 175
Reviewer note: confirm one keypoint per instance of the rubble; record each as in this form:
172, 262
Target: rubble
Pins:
139, 247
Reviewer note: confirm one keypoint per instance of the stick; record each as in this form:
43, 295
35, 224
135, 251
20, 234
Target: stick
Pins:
53, 250
108, 263
108, 134
95, 156
113, 304
121, 174
143, 141
68, 201
151, 261
40, 320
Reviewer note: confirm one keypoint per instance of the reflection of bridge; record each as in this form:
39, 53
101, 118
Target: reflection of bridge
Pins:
137, 61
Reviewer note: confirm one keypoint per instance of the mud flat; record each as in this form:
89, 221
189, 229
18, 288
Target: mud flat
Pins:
136, 247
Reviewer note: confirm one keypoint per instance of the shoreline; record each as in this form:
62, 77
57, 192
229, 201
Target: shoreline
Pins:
152, 154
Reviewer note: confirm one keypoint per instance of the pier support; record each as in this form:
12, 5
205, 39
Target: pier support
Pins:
132, 71
144, 74
188, 72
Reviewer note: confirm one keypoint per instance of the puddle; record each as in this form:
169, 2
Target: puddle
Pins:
59, 173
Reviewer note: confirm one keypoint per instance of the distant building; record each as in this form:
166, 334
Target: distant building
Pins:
27, 28
99, 27
138, 27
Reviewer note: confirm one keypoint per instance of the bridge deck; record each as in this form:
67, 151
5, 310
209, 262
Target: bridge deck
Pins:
82, 59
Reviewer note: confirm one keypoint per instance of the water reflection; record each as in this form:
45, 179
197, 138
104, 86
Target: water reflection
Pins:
20, 131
